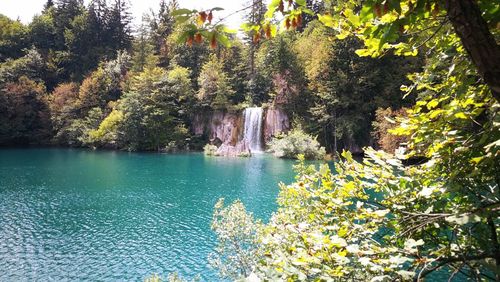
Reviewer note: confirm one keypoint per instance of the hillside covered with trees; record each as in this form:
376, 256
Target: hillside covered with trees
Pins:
82, 75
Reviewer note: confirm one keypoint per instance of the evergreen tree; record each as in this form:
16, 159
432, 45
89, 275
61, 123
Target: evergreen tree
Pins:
255, 16
49, 4
161, 26
64, 14
118, 21
143, 55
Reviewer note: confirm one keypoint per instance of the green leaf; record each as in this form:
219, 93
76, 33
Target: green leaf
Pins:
181, 19
460, 115
179, 12
327, 20
222, 39
300, 2
432, 104
366, 13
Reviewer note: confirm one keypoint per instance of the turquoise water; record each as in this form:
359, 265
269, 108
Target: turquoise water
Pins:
84, 215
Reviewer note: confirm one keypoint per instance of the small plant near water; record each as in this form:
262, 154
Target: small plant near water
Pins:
294, 143
210, 150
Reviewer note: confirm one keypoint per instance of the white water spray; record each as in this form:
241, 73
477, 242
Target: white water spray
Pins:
253, 128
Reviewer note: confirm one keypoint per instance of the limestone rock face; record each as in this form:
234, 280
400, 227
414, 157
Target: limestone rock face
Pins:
225, 129
276, 121
220, 127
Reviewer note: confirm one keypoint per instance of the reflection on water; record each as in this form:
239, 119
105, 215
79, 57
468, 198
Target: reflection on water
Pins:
84, 215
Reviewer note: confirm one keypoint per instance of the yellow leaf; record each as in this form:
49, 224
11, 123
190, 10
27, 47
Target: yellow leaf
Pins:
432, 104
460, 115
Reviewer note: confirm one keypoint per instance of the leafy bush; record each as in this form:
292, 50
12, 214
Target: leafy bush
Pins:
235, 255
210, 150
296, 142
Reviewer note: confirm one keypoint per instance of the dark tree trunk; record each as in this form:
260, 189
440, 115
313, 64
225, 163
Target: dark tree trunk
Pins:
477, 39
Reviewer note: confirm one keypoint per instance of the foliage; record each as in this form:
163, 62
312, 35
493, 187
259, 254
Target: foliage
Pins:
104, 84
236, 230
13, 38
215, 89
71, 104
346, 89
385, 120
199, 26
108, 130
63, 102
30, 65
295, 143
278, 62
143, 51
24, 114
151, 117
210, 150
378, 220
385, 226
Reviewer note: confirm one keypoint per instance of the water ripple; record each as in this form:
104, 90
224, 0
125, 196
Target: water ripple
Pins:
70, 215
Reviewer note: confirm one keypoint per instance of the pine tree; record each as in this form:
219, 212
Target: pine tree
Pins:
161, 26
49, 4
119, 26
254, 17
64, 14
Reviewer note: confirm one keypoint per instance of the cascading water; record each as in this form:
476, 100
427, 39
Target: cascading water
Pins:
253, 128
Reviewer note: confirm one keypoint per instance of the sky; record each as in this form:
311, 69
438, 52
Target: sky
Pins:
26, 9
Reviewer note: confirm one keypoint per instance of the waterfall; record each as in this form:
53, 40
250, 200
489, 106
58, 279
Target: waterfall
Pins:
253, 128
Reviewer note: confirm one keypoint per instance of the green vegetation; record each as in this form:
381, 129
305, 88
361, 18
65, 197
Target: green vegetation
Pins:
380, 220
377, 220
210, 150
104, 88
294, 143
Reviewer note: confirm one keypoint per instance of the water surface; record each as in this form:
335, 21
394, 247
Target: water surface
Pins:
84, 215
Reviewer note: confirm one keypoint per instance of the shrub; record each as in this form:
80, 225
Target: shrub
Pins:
294, 143
210, 150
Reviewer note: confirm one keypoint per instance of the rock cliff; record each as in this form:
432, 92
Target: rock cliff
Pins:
275, 121
225, 129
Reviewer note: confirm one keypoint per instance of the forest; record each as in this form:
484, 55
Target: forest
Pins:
82, 76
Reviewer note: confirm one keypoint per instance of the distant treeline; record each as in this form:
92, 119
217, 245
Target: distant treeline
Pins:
79, 75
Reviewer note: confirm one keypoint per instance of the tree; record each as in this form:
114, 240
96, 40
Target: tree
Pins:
64, 13
236, 69
162, 26
386, 120
346, 89
191, 57
43, 31
143, 55
63, 104
278, 61
151, 117
254, 16
30, 65
24, 115
378, 219
104, 84
13, 38
215, 90
118, 29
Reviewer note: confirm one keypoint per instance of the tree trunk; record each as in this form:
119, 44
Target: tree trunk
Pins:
477, 39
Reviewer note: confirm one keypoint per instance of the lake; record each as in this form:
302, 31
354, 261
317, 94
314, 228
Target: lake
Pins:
69, 214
